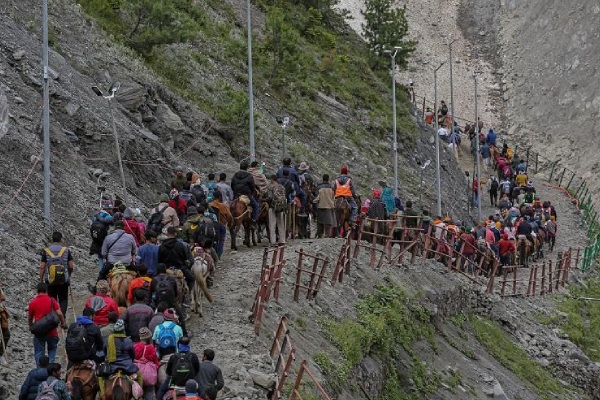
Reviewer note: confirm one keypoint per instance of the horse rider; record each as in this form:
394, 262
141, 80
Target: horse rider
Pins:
242, 183
524, 228
287, 166
344, 187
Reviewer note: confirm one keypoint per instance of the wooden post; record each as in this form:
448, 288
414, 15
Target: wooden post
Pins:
543, 288
312, 279
299, 274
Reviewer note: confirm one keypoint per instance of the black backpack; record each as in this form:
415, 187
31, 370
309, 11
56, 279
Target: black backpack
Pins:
77, 344
208, 230
163, 288
155, 223
98, 231
494, 186
182, 369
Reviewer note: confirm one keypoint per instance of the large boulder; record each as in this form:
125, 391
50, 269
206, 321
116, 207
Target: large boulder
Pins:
131, 96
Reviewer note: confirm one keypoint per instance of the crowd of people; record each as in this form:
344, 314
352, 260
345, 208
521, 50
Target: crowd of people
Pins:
190, 222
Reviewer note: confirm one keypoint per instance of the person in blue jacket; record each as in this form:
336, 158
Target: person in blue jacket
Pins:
29, 389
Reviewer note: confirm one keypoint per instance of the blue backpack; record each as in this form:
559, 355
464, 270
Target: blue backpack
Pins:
166, 336
210, 191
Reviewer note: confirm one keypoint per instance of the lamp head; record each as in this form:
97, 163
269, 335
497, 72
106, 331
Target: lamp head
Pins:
97, 90
115, 86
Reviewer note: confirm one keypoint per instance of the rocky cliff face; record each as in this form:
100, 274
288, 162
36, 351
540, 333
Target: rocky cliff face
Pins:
548, 55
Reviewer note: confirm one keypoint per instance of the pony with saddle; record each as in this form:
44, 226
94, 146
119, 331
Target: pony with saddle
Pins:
241, 211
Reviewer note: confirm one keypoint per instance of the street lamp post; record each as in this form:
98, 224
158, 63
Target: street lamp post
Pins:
46, 114
284, 123
425, 165
250, 87
477, 173
394, 130
113, 89
437, 145
451, 88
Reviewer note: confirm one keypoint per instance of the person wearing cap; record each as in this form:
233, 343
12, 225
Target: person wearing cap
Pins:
118, 247
176, 375
169, 215
145, 353
326, 218
179, 180
101, 303
260, 180
376, 209
243, 184
344, 187
169, 327
191, 390
119, 354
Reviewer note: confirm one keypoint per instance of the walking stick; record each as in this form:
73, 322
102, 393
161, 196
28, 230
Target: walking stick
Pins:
2, 342
62, 339
72, 304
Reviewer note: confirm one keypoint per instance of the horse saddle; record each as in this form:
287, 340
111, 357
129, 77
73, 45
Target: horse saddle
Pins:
175, 273
245, 199
119, 269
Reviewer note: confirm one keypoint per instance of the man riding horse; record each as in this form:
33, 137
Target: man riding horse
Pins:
242, 184
343, 187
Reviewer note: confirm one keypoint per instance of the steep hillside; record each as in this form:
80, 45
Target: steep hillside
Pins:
549, 56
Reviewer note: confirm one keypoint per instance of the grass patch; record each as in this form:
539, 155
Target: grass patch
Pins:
497, 342
582, 320
386, 321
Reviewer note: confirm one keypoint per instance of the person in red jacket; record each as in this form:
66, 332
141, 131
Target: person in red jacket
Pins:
145, 353
179, 204
102, 304
132, 227
506, 249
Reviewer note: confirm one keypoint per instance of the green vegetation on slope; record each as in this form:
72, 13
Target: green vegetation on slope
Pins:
387, 322
304, 48
496, 341
581, 318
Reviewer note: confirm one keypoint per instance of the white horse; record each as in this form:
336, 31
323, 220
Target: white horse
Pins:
201, 271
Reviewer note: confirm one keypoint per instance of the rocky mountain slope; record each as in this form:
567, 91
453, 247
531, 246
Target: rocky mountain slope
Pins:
161, 126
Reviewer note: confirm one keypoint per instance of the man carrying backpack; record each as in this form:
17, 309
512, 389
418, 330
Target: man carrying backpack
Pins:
208, 230
174, 253
278, 206
181, 367
98, 232
35, 377
493, 190
119, 246
84, 339
162, 216
56, 268
167, 335
54, 388
242, 183
164, 289
209, 188
137, 315
225, 189
191, 226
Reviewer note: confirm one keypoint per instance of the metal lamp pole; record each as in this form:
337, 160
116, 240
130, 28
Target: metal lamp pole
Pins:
394, 128
451, 88
250, 87
421, 183
477, 174
46, 114
113, 89
437, 145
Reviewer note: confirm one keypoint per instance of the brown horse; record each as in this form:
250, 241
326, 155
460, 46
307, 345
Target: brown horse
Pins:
118, 387
343, 211
524, 251
118, 281
83, 379
242, 217
262, 223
